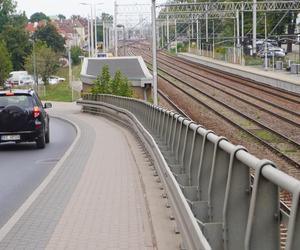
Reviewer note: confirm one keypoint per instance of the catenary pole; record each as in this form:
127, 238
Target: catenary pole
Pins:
115, 29
154, 63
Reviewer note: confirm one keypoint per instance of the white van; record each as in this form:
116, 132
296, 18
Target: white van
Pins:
15, 76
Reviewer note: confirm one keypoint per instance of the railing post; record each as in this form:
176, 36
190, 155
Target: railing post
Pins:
263, 227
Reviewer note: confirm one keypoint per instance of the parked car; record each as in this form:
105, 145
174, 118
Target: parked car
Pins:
26, 80
23, 118
272, 51
15, 76
55, 79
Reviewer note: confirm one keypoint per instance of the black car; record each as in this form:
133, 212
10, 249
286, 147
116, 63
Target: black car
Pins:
23, 118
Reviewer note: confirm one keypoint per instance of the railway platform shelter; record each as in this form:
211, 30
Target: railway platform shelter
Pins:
141, 177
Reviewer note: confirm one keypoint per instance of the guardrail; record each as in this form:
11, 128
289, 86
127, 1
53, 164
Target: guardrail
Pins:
211, 181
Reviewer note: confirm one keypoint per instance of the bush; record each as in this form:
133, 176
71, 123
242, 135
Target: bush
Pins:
118, 85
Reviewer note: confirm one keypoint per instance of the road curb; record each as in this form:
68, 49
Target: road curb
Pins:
35, 194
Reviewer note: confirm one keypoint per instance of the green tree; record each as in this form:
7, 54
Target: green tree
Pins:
18, 44
124, 88
119, 85
51, 37
5, 63
103, 82
61, 17
46, 61
38, 16
7, 8
76, 51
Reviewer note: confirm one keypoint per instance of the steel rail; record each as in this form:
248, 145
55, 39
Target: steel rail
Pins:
284, 94
268, 145
176, 108
288, 120
236, 78
249, 103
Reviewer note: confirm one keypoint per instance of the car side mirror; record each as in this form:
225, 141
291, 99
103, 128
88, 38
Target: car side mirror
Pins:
47, 105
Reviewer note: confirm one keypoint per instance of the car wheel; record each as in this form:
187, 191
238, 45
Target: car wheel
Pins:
47, 136
41, 141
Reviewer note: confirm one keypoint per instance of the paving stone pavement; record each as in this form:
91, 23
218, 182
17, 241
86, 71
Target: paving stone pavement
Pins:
97, 199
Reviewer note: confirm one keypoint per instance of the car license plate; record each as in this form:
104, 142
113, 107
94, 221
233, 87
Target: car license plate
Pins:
10, 137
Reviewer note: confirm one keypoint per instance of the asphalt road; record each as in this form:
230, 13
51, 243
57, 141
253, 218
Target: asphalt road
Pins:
23, 167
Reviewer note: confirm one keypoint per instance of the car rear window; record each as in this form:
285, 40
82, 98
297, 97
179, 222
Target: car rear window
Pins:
24, 101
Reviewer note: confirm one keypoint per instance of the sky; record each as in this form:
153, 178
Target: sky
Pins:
69, 7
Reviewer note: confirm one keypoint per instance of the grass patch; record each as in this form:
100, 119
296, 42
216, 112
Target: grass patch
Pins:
266, 136
59, 92
64, 72
252, 61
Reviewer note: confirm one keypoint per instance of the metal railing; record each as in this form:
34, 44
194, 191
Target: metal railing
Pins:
233, 210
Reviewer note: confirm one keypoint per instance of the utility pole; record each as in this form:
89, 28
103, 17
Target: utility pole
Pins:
103, 35
266, 46
70, 70
200, 40
168, 33
96, 42
89, 36
175, 36
213, 40
154, 63
92, 32
115, 29
36, 80
197, 28
238, 34
206, 23
254, 27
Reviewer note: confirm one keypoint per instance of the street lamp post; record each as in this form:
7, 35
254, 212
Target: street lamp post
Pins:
96, 38
36, 80
115, 29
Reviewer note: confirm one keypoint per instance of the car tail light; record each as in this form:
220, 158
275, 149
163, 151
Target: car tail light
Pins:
9, 93
36, 111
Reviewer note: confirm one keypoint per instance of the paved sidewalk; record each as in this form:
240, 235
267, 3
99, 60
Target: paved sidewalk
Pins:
101, 196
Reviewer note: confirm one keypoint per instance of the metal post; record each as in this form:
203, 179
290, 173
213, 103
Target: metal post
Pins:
192, 24
162, 36
299, 50
254, 27
197, 31
96, 42
189, 37
115, 29
242, 19
154, 52
238, 28
34, 63
103, 36
234, 42
92, 32
213, 40
206, 23
176, 38
107, 36
89, 37
168, 34
243, 34
266, 48
238, 33
124, 38
200, 38
70, 71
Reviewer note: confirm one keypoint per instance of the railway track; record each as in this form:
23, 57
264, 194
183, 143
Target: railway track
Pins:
253, 126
